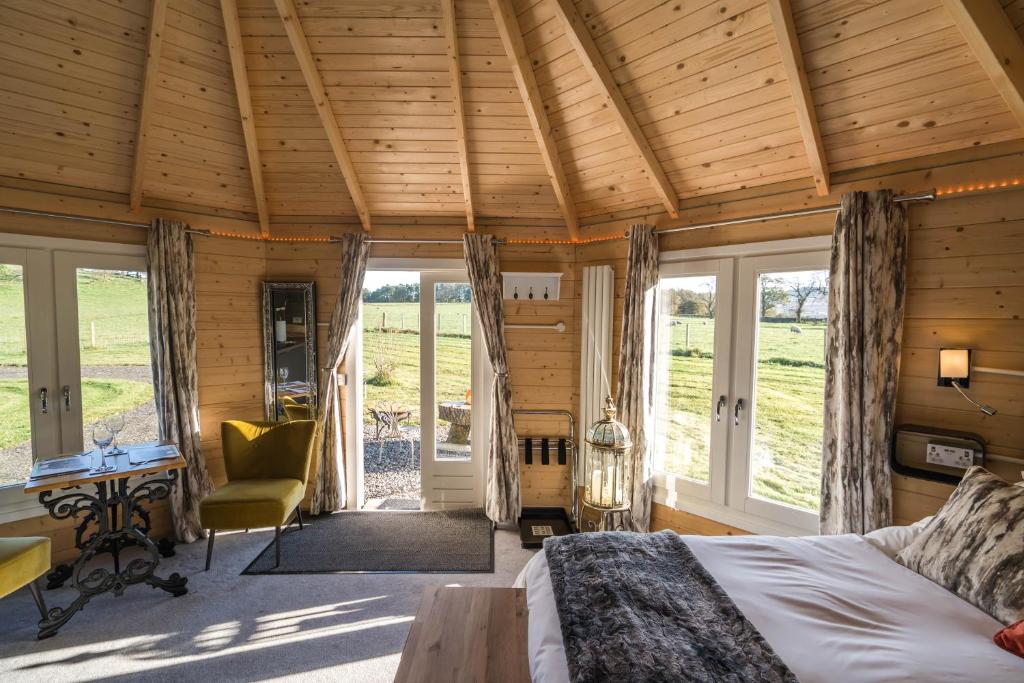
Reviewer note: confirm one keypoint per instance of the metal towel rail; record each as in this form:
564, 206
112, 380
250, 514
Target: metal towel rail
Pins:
565, 444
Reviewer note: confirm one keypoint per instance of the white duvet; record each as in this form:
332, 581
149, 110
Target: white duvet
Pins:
834, 608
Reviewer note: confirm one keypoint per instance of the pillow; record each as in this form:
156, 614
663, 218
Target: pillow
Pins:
975, 545
892, 539
1011, 639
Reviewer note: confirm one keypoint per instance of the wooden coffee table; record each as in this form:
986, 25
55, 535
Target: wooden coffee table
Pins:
467, 634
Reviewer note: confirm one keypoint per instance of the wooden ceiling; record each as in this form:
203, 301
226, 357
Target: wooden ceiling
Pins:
525, 109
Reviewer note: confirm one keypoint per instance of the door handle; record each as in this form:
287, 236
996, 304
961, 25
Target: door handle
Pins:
736, 412
44, 404
66, 391
722, 402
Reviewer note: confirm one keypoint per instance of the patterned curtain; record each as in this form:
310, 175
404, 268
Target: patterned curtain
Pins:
502, 498
867, 283
636, 367
172, 337
329, 484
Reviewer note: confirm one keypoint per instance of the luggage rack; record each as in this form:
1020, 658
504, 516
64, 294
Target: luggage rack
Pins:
560, 449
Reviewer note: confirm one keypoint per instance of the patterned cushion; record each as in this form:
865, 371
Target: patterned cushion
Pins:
975, 545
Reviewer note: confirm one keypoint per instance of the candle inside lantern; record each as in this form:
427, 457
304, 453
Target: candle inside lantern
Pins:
595, 486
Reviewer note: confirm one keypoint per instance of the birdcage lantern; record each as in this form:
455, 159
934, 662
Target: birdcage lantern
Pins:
605, 470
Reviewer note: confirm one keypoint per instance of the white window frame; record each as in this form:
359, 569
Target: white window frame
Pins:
727, 500
42, 330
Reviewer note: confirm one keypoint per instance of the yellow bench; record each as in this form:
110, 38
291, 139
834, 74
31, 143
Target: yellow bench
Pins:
22, 561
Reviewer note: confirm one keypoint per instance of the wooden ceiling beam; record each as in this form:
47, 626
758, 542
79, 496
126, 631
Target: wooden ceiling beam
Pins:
526, 82
593, 61
229, 8
996, 45
300, 46
455, 77
146, 99
793, 64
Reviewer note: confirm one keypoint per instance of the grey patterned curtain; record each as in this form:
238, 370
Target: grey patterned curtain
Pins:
867, 283
636, 367
172, 345
329, 482
502, 494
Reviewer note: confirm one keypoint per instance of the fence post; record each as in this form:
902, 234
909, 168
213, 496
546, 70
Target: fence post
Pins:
464, 318
401, 320
383, 319
92, 329
687, 347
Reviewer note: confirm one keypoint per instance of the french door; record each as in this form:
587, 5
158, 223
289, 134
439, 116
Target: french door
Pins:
74, 350
419, 381
739, 387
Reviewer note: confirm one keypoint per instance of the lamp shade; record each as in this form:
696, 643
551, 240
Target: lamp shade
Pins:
954, 363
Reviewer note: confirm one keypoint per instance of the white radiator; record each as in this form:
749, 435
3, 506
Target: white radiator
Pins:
595, 354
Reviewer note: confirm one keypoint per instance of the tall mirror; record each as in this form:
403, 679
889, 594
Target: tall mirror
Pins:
289, 350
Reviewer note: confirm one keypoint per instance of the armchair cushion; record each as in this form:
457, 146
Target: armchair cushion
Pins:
267, 450
22, 560
251, 503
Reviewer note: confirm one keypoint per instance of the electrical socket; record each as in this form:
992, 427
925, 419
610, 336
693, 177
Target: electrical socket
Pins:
950, 456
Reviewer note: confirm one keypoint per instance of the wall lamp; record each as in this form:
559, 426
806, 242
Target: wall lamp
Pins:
955, 371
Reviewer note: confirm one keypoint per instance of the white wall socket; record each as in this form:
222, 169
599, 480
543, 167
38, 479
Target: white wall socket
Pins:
950, 456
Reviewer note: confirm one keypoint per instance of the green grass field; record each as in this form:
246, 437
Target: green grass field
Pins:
113, 331
402, 347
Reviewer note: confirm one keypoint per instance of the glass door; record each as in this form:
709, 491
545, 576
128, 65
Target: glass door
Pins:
27, 370
694, 301
451, 394
779, 384
104, 363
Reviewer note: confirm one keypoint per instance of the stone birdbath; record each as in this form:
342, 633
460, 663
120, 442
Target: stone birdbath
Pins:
457, 414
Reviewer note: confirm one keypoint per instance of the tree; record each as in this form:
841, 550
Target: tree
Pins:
708, 298
801, 290
772, 295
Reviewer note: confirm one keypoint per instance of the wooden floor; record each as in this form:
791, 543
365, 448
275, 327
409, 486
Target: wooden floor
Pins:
467, 634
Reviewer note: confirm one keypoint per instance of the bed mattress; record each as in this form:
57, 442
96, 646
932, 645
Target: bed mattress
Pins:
834, 608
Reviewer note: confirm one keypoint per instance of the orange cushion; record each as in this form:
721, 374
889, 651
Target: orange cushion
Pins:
1011, 638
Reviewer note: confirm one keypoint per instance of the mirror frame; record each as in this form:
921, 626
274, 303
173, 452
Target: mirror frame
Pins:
308, 290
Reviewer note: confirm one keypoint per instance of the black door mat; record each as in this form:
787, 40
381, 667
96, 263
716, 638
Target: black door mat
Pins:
443, 542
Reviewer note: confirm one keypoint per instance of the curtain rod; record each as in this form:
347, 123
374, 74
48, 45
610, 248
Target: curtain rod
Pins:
832, 208
919, 197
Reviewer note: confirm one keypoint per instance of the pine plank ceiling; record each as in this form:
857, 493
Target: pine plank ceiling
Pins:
526, 109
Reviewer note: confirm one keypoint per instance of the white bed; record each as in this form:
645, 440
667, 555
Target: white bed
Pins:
834, 608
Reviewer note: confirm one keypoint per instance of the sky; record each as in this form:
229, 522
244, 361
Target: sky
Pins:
375, 279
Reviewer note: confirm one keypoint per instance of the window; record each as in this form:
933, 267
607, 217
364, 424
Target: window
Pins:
740, 375
74, 352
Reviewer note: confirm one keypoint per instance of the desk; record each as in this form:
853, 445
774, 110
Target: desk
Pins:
121, 521
464, 635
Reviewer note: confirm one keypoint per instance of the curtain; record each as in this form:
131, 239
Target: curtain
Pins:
867, 283
172, 344
502, 496
636, 368
329, 484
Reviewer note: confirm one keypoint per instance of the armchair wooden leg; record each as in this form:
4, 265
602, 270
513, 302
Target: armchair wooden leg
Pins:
209, 548
298, 516
37, 595
277, 545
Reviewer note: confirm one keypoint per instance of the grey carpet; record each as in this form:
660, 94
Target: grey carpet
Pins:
300, 628
451, 541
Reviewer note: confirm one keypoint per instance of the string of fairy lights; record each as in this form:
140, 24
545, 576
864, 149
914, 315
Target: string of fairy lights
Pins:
939, 192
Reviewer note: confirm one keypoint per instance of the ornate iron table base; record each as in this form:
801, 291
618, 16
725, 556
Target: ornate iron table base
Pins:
114, 508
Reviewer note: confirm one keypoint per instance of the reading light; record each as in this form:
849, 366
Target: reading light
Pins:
955, 371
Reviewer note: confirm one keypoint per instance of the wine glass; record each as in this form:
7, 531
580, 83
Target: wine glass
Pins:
102, 436
115, 423
282, 375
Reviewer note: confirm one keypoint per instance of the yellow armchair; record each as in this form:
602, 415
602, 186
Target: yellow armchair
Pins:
267, 465
22, 561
